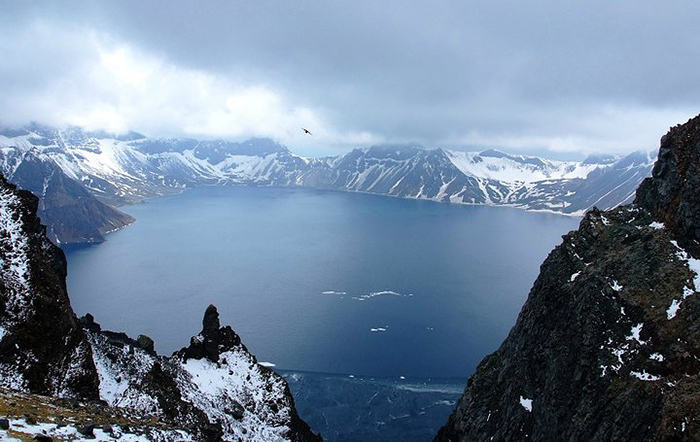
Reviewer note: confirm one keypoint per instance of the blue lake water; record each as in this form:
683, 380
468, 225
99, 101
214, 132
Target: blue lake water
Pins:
320, 281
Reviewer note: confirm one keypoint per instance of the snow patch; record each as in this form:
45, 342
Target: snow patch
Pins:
70, 432
644, 376
657, 225
574, 276
526, 403
673, 309
636, 330
14, 266
616, 286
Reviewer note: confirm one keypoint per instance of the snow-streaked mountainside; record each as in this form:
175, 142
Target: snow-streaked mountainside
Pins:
214, 388
123, 169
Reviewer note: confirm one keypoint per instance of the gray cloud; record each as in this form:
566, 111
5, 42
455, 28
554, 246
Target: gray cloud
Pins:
547, 75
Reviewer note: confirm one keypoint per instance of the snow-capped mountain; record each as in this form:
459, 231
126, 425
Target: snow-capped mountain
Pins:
123, 169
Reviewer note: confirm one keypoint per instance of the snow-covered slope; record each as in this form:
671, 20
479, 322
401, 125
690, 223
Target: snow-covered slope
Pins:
214, 388
499, 166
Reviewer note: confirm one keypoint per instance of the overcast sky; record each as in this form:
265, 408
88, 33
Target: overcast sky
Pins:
558, 77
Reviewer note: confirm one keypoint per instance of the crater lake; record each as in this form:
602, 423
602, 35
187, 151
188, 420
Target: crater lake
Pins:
320, 281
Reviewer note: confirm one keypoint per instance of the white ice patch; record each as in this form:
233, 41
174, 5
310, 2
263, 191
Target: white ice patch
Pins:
2, 332
267, 364
379, 329
657, 225
526, 403
657, 357
574, 276
616, 286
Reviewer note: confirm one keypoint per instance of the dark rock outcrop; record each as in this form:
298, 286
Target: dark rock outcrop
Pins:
214, 388
212, 340
42, 346
672, 193
607, 346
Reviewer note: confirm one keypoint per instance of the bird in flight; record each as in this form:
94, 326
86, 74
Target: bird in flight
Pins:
306, 131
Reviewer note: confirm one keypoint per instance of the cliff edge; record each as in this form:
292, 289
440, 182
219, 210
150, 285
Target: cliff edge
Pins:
607, 346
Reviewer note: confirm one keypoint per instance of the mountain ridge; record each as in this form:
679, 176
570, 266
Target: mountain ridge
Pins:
119, 170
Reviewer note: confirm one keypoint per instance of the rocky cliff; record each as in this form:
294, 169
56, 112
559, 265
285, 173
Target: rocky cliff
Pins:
607, 346
212, 390
42, 346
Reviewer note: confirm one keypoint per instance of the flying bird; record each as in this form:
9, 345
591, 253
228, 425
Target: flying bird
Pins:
306, 131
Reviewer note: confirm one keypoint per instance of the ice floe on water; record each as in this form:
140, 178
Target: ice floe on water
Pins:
381, 293
379, 329
334, 292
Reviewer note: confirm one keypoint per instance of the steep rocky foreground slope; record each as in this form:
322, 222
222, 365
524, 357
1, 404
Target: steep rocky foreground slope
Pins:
607, 346
214, 389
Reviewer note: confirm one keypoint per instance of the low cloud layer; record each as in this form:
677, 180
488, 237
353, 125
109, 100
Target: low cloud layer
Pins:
549, 77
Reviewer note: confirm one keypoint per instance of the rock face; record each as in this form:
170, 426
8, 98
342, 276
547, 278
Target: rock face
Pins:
607, 346
671, 195
42, 346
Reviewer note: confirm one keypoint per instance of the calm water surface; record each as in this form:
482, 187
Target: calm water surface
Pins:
320, 281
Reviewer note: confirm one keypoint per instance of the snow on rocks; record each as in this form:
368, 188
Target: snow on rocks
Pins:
526, 403
14, 262
238, 393
694, 266
215, 385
